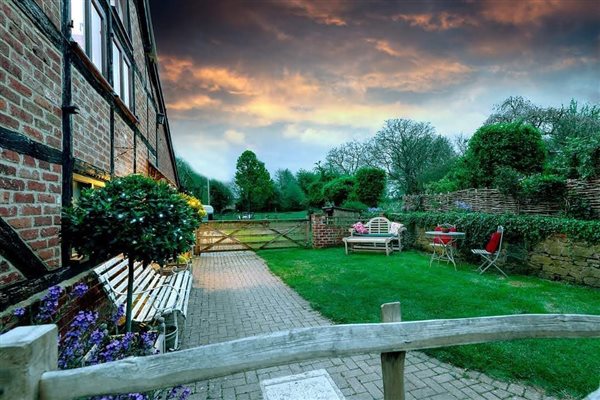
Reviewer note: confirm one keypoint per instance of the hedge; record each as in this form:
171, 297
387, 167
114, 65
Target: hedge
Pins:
526, 229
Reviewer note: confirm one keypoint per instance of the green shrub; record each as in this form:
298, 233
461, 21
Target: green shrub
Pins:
514, 145
576, 207
508, 181
444, 185
370, 185
339, 190
355, 205
543, 187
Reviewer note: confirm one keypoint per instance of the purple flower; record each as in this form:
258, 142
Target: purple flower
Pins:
19, 312
49, 305
137, 396
97, 337
119, 314
185, 393
80, 290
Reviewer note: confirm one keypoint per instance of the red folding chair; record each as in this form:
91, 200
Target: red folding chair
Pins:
491, 252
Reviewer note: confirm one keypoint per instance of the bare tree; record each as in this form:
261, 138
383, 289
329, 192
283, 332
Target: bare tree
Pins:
347, 158
517, 108
460, 143
408, 151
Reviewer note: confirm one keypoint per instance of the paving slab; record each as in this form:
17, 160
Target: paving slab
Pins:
235, 296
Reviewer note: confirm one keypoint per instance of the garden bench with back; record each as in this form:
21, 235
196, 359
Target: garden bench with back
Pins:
155, 294
377, 234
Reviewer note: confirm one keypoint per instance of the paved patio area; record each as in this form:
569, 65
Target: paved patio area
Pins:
235, 295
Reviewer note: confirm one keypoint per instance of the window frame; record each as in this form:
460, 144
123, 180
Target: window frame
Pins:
123, 59
87, 33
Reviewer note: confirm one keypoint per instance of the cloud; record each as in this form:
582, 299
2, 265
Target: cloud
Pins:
322, 12
235, 137
442, 21
524, 12
193, 102
386, 47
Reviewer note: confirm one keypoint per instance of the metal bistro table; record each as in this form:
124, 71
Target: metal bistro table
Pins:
446, 249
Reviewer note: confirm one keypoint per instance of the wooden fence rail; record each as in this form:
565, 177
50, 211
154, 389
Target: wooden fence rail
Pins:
22, 352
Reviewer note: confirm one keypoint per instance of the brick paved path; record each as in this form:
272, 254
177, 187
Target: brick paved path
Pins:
235, 295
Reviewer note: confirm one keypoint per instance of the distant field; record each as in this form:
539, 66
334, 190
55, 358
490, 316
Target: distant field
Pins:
266, 215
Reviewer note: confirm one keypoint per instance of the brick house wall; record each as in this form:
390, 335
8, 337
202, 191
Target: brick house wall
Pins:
45, 146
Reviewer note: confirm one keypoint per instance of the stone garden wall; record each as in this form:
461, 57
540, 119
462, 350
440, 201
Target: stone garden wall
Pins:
557, 258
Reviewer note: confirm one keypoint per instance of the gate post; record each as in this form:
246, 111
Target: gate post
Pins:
26, 352
392, 363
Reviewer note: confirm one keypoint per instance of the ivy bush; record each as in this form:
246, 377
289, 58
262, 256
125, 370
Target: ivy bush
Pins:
527, 229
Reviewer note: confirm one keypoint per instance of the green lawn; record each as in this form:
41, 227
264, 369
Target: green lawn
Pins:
350, 289
266, 215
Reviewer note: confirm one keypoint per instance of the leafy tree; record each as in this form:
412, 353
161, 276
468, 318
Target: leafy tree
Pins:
571, 133
134, 215
254, 182
515, 145
220, 195
370, 185
197, 184
291, 196
339, 190
407, 150
190, 181
305, 179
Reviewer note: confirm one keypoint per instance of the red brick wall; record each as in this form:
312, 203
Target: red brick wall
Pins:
325, 234
52, 8
123, 148
91, 126
8, 273
164, 158
30, 79
31, 191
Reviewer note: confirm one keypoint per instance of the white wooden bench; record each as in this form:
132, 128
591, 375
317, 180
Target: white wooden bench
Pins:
378, 237
154, 295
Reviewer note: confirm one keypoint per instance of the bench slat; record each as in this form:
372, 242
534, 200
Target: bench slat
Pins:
149, 309
148, 280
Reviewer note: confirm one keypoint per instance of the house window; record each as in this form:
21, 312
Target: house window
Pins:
78, 18
121, 9
121, 75
97, 37
81, 182
89, 30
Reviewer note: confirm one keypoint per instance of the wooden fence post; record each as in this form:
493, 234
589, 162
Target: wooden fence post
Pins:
26, 352
392, 363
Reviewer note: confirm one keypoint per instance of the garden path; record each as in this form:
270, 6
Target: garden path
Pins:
235, 295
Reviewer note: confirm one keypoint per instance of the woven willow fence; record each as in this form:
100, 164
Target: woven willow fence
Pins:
492, 201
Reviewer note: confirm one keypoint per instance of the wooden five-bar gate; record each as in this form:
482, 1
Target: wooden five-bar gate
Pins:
252, 235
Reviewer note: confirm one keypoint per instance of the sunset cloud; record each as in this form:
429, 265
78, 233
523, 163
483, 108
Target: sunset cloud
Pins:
323, 12
436, 22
